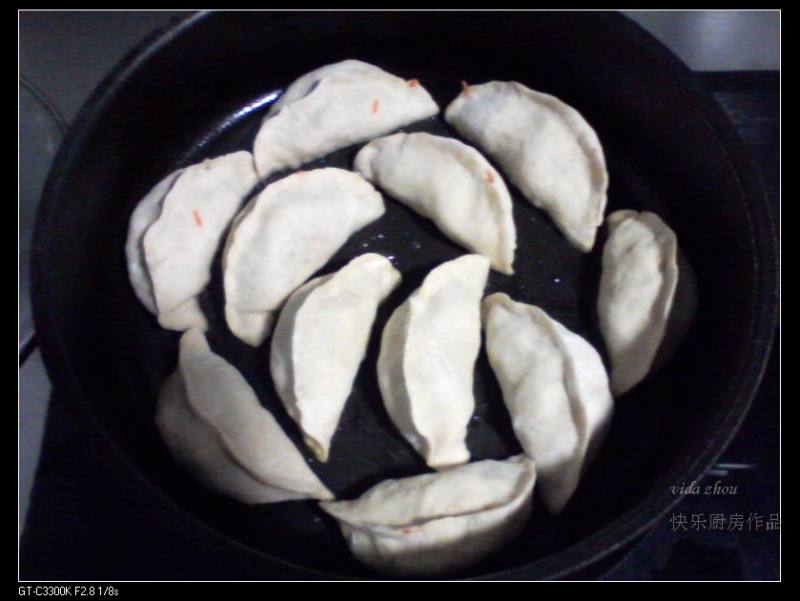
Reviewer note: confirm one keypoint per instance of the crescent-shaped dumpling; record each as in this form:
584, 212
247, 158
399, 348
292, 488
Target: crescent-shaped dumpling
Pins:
301, 86
449, 182
175, 231
435, 523
320, 340
146, 212
546, 148
214, 425
637, 289
427, 358
333, 107
283, 236
556, 389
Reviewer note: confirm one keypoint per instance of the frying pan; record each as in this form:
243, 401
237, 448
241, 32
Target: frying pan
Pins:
199, 88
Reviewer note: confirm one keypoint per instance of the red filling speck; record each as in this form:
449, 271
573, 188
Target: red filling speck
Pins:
197, 219
376, 105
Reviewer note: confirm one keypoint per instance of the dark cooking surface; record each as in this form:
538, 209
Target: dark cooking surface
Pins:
88, 519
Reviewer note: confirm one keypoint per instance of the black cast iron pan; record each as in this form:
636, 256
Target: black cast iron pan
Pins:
200, 87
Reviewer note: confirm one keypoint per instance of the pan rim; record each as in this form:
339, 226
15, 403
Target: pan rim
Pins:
610, 537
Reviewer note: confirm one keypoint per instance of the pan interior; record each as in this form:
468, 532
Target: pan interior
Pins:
367, 448
204, 92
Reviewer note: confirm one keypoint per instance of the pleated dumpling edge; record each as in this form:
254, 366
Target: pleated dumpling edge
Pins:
343, 103
545, 147
215, 427
436, 523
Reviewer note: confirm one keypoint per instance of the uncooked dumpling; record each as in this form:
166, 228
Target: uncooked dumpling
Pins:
214, 425
175, 231
427, 357
320, 340
304, 84
449, 182
333, 107
546, 148
440, 522
283, 236
556, 390
637, 288
145, 213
